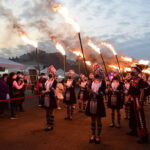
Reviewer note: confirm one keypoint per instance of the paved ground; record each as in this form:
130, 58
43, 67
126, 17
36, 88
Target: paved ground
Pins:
26, 133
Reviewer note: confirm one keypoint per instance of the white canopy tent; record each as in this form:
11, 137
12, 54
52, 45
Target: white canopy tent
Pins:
44, 71
10, 64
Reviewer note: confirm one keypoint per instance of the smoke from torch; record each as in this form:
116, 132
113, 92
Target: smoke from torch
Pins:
24, 36
64, 12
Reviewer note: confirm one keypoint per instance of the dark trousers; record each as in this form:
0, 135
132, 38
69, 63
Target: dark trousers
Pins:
137, 120
13, 108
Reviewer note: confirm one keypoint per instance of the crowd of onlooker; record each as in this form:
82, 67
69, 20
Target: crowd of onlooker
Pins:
12, 86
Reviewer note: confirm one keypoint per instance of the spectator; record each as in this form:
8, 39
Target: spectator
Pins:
4, 92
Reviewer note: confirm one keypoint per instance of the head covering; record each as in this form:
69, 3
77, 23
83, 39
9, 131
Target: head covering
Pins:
137, 67
51, 70
71, 72
98, 73
115, 78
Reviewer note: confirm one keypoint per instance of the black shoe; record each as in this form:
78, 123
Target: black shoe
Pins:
126, 118
70, 119
112, 125
67, 118
118, 126
143, 140
97, 141
92, 139
48, 129
132, 133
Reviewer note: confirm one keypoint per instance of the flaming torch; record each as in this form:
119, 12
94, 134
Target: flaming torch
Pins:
127, 59
108, 45
79, 55
64, 12
146, 71
144, 62
62, 51
98, 50
27, 40
88, 63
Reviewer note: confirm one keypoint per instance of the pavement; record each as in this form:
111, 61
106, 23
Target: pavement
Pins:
26, 133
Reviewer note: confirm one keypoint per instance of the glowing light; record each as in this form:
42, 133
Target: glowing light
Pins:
147, 71
128, 59
127, 69
60, 48
77, 53
93, 46
108, 45
88, 63
144, 62
25, 38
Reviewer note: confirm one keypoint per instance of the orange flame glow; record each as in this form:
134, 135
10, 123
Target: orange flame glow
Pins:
77, 53
88, 63
127, 69
147, 71
128, 59
114, 67
144, 62
64, 12
93, 46
25, 38
60, 48
108, 45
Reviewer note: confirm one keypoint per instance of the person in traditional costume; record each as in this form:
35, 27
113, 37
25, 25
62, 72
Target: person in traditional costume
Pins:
50, 101
70, 96
115, 100
83, 93
137, 121
95, 107
126, 98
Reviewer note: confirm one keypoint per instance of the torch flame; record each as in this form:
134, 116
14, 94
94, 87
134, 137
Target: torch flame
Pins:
127, 69
77, 53
128, 59
88, 63
143, 62
64, 12
108, 45
25, 38
60, 48
93, 46
147, 71
114, 67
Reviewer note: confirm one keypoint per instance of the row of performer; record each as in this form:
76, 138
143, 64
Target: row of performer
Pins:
92, 91
130, 91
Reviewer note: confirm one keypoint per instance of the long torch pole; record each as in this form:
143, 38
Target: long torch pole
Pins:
65, 60
118, 65
37, 60
83, 53
79, 69
104, 64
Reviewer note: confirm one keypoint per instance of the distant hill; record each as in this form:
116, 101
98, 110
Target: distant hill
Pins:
46, 59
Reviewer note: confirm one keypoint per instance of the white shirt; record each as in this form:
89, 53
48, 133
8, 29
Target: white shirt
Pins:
114, 85
96, 86
48, 84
